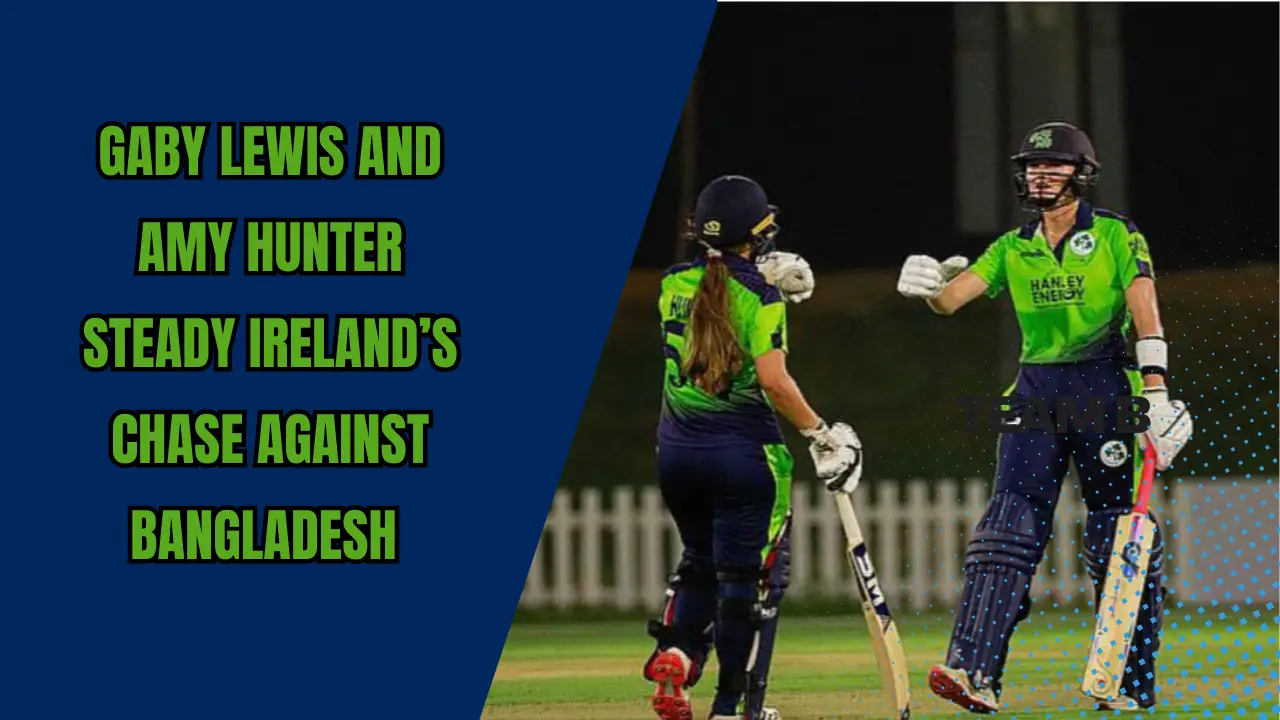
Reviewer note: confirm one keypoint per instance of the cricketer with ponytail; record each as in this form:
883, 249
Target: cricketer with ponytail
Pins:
723, 467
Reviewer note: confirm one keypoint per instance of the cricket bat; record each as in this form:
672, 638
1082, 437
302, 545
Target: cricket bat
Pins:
1121, 593
884, 632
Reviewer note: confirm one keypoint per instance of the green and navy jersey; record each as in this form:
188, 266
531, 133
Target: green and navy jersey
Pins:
691, 416
1070, 303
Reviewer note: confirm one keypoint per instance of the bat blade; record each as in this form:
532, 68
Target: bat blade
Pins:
1118, 610
891, 658
1121, 598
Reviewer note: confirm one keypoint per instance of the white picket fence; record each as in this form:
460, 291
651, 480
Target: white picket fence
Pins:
613, 549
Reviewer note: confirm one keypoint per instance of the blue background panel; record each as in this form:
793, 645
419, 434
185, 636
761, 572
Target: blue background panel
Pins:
557, 120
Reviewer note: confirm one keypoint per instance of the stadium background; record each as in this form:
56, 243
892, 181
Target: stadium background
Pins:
882, 131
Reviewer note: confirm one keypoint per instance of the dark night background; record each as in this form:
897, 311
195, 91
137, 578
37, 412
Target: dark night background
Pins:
844, 112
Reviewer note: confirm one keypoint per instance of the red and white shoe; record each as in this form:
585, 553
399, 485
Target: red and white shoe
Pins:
954, 685
669, 671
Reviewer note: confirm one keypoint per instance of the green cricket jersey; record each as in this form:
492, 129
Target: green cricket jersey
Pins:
1070, 303
758, 316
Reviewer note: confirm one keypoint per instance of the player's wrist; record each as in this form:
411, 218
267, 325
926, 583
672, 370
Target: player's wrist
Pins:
815, 430
1156, 396
1152, 353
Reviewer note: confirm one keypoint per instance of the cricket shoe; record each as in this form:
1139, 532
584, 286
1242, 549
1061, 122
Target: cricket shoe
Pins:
1123, 703
955, 686
669, 670
765, 714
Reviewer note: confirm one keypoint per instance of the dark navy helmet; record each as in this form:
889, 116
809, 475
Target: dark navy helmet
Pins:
733, 210
1058, 142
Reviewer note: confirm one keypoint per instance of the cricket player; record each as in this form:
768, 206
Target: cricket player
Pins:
724, 470
1079, 276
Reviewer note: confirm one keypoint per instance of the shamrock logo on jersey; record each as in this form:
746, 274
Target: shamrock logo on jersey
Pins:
1041, 139
1083, 243
1113, 454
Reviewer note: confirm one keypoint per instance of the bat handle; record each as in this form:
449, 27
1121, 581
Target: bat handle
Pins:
848, 518
1148, 477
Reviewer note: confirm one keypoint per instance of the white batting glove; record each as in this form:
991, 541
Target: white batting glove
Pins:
923, 277
836, 451
788, 272
1170, 429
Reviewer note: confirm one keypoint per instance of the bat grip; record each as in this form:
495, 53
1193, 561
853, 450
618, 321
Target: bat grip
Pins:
1148, 477
848, 518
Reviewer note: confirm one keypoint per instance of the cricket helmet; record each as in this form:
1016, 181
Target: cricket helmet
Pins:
1062, 143
733, 210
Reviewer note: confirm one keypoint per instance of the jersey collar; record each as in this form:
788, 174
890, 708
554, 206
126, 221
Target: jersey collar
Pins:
1084, 221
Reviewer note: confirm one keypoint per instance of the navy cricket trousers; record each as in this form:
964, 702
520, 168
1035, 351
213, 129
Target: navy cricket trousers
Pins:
729, 502
1009, 541
1033, 462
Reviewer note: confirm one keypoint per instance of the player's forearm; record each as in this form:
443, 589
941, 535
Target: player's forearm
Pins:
790, 403
942, 305
947, 302
962, 290
1144, 307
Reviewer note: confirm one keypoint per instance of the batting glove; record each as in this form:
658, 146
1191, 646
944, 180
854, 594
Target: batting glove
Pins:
1171, 426
924, 278
836, 451
788, 272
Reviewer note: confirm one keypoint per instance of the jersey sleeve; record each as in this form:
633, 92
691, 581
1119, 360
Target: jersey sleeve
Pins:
990, 266
1133, 257
768, 330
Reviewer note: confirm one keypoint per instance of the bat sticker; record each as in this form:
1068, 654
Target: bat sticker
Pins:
1132, 555
867, 573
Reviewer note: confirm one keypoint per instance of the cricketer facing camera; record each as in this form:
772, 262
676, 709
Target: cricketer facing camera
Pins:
1078, 276
723, 467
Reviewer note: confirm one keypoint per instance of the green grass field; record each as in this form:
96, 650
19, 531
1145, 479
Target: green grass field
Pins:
1216, 662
